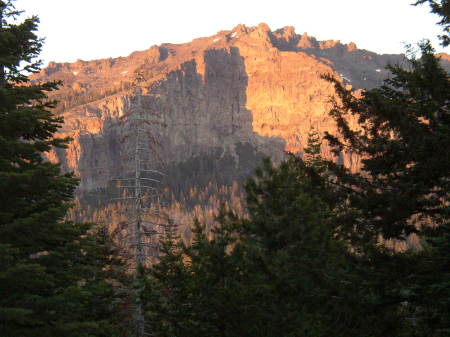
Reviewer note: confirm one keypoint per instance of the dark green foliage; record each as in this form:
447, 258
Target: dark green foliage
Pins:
189, 292
404, 140
309, 258
165, 295
65, 291
302, 271
55, 276
281, 271
441, 8
312, 152
428, 286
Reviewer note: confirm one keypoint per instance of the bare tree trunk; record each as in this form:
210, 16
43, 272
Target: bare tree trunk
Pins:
142, 231
2, 67
139, 254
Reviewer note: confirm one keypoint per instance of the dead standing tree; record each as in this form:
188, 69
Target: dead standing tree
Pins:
139, 190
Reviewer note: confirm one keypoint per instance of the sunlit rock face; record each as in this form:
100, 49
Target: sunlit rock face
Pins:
218, 104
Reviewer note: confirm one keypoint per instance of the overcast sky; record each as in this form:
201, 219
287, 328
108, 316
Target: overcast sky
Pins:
91, 29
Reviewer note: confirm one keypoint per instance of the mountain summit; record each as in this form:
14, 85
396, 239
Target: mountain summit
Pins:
221, 103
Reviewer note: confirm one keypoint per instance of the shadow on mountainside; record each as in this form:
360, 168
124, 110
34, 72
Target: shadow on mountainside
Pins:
205, 140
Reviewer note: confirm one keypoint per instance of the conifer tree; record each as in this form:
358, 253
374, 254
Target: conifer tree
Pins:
403, 189
280, 271
313, 157
53, 273
165, 294
442, 9
404, 146
190, 290
308, 260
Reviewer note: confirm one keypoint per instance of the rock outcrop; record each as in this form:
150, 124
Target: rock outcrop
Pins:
218, 104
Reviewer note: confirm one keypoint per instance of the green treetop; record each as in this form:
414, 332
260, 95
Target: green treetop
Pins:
53, 273
404, 185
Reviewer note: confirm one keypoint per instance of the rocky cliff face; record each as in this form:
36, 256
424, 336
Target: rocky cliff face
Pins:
217, 104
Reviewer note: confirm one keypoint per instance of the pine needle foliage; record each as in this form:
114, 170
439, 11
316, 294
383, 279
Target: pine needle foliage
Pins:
55, 276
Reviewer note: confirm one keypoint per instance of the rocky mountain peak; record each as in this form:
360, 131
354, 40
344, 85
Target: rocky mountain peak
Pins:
285, 39
221, 102
264, 27
351, 47
306, 42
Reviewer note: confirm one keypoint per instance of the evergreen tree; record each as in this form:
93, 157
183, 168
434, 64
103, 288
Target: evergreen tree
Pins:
403, 189
320, 286
190, 290
404, 145
308, 260
165, 294
313, 157
441, 8
280, 271
54, 275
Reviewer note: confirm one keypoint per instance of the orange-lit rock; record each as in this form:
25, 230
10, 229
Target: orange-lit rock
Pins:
211, 96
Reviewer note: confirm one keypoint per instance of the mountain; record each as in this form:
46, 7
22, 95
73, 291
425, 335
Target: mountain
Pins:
218, 105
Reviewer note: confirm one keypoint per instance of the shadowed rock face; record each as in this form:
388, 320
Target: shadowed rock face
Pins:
218, 104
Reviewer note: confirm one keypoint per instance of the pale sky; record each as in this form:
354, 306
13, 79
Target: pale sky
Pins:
92, 29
